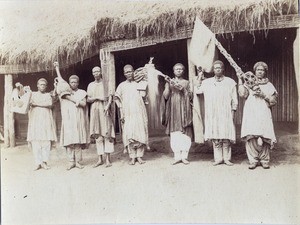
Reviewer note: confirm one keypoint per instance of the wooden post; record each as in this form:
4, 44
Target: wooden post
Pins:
9, 128
107, 61
297, 71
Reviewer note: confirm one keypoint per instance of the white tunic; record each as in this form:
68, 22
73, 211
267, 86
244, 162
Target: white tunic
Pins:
74, 126
220, 98
99, 122
41, 125
257, 117
134, 111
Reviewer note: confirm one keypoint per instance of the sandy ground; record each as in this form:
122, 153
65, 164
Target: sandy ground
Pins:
155, 192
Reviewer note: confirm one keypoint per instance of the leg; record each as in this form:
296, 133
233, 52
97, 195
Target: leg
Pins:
184, 156
175, 146
71, 157
132, 154
46, 146
252, 153
140, 153
218, 152
36, 149
186, 144
109, 148
227, 152
264, 155
100, 151
78, 156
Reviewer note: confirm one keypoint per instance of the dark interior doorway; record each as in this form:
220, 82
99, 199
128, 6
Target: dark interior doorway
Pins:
166, 55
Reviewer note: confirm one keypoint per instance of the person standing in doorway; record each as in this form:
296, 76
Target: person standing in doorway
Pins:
133, 116
101, 125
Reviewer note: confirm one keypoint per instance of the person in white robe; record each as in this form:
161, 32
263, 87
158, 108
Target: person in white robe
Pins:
133, 116
101, 125
41, 125
220, 101
257, 125
74, 134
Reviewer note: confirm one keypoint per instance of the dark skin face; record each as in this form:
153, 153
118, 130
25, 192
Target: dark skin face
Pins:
260, 72
74, 84
42, 86
178, 71
218, 70
128, 73
97, 74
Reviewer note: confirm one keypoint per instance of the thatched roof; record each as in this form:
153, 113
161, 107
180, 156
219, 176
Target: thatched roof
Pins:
43, 31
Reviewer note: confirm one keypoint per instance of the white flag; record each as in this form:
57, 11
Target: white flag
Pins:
202, 47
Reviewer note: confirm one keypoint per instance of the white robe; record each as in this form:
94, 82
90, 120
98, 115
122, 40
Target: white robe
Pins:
220, 98
74, 125
257, 117
99, 123
135, 114
41, 125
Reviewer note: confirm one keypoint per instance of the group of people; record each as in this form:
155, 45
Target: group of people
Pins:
220, 97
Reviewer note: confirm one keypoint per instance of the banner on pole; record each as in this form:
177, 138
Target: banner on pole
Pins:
202, 47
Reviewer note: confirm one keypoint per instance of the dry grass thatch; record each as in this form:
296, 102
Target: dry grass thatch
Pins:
43, 31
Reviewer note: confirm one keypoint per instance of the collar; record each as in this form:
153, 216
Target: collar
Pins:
219, 79
262, 80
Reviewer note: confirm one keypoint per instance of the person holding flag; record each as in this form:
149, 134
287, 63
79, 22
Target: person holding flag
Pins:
220, 101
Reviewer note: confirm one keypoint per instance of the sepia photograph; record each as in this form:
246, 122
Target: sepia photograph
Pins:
149, 112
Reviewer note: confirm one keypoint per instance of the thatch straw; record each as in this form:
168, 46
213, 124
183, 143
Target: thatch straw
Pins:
44, 31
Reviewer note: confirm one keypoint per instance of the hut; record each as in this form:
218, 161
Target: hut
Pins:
36, 33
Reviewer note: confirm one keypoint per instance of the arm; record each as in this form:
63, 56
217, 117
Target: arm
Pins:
81, 103
54, 94
107, 107
234, 101
94, 99
78, 103
48, 103
118, 100
272, 100
41, 105
167, 91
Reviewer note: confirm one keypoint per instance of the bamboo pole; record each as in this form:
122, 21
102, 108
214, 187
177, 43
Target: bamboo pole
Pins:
9, 129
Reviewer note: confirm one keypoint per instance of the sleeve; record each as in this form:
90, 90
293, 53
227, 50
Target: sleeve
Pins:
89, 90
82, 95
243, 91
49, 99
271, 97
234, 99
118, 96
